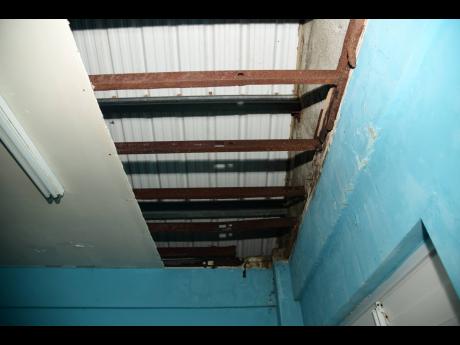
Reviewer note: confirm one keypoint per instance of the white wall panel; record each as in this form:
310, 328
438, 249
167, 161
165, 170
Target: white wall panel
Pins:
419, 293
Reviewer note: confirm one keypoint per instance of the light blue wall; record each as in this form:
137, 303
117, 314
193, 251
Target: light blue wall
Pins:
289, 312
394, 166
91, 296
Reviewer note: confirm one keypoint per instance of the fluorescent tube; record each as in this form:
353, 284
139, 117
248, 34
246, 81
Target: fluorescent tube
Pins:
26, 154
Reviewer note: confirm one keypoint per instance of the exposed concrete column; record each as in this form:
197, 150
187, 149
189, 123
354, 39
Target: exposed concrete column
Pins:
320, 46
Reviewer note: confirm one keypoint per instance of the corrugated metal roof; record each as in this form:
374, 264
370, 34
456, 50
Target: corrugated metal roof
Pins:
194, 47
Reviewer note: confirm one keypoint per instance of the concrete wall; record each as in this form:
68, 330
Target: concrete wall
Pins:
394, 163
320, 46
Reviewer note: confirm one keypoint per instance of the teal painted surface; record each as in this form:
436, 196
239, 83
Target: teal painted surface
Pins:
92, 296
289, 312
394, 162
260, 316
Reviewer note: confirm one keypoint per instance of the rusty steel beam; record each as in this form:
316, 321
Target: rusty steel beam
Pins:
218, 231
347, 61
218, 193
217, 146
197, 252
160, 80
350, 44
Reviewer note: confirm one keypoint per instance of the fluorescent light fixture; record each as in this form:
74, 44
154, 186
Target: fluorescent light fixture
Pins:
26, 154
379, 315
